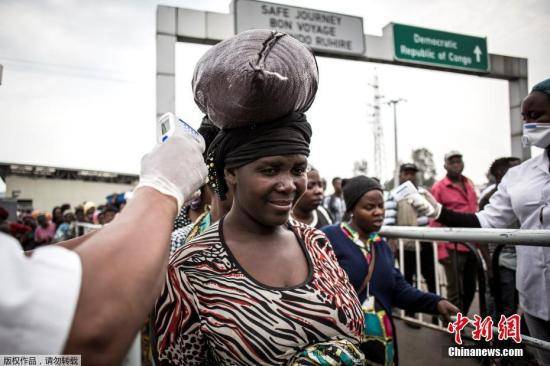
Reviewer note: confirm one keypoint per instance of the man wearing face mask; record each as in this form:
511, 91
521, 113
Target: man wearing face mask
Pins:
523, 196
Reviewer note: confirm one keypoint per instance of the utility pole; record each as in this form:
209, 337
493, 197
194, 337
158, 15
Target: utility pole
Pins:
377, 130
394, 103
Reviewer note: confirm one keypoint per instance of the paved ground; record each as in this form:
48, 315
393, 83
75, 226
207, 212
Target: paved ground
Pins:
425, 347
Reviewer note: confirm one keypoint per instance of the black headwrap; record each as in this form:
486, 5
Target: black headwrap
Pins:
208, 132
356, 187
235, 147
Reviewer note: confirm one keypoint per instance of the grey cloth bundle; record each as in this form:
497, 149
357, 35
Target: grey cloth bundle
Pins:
254, 77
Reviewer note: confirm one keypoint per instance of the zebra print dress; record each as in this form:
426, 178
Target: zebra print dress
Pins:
211, 312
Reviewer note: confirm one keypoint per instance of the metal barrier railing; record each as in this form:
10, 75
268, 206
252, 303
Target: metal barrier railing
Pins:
495, 236
464, 236
497, 294
440, 280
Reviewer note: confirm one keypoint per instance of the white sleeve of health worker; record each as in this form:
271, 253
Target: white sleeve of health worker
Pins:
498, 213
38, 297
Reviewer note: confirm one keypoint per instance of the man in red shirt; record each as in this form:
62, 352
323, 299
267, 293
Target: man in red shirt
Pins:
456, 192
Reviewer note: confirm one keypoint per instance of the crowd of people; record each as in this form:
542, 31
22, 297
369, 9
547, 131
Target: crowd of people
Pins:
35, 228
334, 215
316, 209
261, 268
353, 213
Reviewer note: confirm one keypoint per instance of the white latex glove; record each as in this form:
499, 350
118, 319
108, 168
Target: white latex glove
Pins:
425, 204
436, 205
175, 167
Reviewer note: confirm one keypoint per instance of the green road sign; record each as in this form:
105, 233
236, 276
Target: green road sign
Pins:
433, 47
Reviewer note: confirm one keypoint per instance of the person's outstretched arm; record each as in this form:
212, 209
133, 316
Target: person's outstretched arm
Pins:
68, 244
498, 213
428, 205
458, 219
123, 265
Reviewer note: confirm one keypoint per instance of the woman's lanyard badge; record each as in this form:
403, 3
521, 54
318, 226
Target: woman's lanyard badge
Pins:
367, 248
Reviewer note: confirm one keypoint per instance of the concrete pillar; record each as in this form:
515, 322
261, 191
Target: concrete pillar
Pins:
515, 70
517, 90
166, 63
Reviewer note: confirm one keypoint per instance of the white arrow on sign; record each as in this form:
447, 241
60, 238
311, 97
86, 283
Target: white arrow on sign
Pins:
478, 52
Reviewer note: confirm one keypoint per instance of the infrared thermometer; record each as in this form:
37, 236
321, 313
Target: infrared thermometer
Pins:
404, 191
408, 191
168, 124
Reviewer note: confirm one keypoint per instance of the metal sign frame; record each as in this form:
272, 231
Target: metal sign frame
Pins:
435, 63
188, 25
234, 9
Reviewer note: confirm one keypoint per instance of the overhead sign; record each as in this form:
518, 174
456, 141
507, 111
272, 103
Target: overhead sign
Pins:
322, 31
445, 49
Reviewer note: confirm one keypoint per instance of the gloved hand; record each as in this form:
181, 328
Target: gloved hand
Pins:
175, 167
425, 204
436, 205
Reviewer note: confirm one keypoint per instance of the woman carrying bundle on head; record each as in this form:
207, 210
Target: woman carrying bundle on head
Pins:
254, 288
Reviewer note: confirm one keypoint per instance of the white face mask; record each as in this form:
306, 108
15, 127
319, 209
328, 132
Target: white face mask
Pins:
536, 134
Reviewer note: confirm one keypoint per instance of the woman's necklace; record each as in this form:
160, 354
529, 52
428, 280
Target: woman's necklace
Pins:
364, 246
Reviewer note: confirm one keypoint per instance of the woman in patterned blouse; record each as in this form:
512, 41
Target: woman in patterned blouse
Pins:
255, 289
